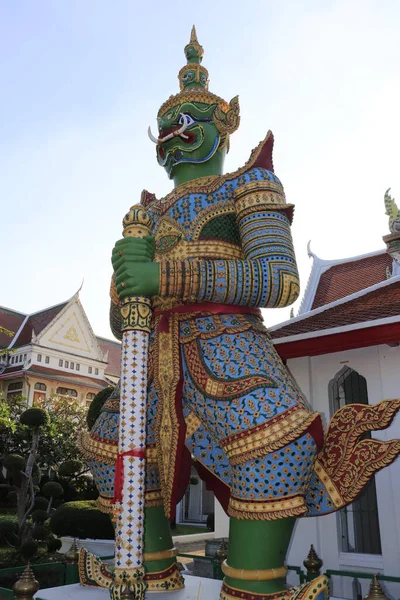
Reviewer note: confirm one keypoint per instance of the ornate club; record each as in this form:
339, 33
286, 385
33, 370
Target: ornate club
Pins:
130, 467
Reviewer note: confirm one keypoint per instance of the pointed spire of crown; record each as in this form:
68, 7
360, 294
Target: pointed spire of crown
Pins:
193, 74
193, 51
193, 82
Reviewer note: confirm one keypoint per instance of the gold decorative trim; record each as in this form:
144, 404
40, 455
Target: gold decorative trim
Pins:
266, 511
160, 555
167, 580
192, 424
193, 95
106, 505
229, 592
267, 438
329, 485
253, 574
153, 498
103, 450
136, 314
208, 184
262, 186
192, 67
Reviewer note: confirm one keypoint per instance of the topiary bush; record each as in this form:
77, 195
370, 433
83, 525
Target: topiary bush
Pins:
14, 463
34, 417
53, 544
69, 468
29, 549
39, 532
81, 519
4, 490
39, 516
41, 503
96, 406
52, 489
8, 529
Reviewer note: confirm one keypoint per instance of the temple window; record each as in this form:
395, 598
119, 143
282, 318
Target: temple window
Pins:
60, 362
96, 371
90, 395
72, 365
39, 358
47, 360
62, 391
66, 364
40, 386
90, 369
358, 523
78, 367
14, 389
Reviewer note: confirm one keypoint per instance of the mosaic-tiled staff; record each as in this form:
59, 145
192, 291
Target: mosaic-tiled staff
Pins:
130, 465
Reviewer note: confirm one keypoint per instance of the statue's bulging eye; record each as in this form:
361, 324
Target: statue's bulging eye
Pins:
184, 118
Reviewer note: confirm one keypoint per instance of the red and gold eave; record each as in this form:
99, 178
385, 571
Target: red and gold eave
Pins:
346, 340
354, 321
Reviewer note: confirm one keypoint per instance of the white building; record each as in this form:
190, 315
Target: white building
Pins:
343, 347
54, 351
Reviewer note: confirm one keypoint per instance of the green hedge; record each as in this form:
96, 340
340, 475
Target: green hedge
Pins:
82, 520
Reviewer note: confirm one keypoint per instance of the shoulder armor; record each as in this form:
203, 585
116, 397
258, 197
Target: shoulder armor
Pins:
146, 198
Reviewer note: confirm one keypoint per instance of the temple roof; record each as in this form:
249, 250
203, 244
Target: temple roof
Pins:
11, 320
114, 355
377, 302
25, 325
35, 323
331, 280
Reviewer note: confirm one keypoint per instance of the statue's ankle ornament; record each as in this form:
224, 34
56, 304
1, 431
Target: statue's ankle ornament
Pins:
253, 574
160, 555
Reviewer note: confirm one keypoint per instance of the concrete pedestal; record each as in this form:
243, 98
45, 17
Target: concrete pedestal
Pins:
197, 588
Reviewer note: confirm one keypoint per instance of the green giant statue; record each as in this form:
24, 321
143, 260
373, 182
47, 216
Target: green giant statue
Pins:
219, 249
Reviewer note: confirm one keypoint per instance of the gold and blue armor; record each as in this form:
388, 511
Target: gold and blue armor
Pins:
218, 390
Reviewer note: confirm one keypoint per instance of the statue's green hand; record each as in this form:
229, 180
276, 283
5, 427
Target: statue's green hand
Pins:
135, 272
132, 249
138, 279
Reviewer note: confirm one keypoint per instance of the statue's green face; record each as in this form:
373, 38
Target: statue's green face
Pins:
196, 144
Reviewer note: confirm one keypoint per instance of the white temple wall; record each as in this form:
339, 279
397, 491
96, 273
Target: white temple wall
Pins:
380, 365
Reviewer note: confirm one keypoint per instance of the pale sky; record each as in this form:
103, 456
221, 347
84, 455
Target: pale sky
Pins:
82, 80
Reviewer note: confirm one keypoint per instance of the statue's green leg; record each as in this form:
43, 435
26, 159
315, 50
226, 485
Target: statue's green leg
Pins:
258, 545
161, 573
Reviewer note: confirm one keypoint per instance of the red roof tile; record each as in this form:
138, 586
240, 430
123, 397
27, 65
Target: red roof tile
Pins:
11, 320
378, 304
37, 322
114, 355
350, 277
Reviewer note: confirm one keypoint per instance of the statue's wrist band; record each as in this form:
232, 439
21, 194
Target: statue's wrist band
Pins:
253, 574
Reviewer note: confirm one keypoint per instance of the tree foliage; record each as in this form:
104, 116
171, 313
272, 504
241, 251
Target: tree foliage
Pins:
58, 436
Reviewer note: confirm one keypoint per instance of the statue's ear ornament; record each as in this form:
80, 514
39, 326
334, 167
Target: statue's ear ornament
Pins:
228, 122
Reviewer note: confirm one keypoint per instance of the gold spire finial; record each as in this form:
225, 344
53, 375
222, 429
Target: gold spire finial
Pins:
193, 35
193, 50
375, 591
26, 586
312, 563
